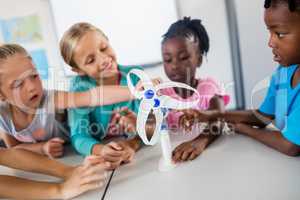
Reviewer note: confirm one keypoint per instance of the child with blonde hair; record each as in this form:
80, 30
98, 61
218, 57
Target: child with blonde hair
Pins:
28, 112
87, 50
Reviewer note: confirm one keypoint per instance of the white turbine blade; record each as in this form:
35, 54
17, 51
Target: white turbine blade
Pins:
134, 92
158, 121
146, 82
172, 103
142, 117
169, 102
172, 84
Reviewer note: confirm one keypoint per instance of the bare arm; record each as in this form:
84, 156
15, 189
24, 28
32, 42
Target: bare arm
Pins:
217, 112
11, 142
251, 117
51, 148
8, 140
99, 96
273, 139
77, 179
34, 147
216, 104
18, 188
8, 157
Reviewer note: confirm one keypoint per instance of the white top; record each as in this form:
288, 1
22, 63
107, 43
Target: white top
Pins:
43, 127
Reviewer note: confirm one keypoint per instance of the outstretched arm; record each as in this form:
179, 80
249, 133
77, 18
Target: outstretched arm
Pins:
99, 96
19, 188
15, 187
18, 159
52, 148
78, 180
273, 139
250, 117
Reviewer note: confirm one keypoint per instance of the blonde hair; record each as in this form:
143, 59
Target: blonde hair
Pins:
9, 50
71, 38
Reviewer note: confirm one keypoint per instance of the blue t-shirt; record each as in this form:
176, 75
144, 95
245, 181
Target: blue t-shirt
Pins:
283, 102
89, 125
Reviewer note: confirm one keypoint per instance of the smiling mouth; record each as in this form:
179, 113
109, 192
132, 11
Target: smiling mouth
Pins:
34, 97
107, 67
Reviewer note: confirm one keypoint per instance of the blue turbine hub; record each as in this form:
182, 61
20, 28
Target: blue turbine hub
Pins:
149, 94
156, 103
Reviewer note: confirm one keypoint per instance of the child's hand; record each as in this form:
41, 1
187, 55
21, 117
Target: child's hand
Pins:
140, 87
128, 151
191, 117
126, 120
113, 153
189, 150
91, 175
123, 121
156, 81
186, 121
113, 127
54, 148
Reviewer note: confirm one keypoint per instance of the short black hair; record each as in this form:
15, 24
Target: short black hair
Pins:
187, 28
294, 5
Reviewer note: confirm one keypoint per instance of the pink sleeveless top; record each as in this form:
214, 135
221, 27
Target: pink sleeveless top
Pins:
207, 89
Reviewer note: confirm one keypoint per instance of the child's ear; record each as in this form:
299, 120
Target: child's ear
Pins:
2, 98
78, 71
200, 59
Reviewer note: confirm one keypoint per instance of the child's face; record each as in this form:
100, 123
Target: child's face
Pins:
181, 57
20, 83
284, 27
94, 56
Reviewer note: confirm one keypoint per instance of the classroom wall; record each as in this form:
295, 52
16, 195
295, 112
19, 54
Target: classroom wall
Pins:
48, 43
218, 63
256, 56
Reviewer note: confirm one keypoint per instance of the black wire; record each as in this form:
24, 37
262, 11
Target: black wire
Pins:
107, 185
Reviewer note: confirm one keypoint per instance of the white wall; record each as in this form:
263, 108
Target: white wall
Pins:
256, 56
9, 10
134, 27
218, 64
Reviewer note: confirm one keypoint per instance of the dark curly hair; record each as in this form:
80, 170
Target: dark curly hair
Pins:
294, 5
187, 28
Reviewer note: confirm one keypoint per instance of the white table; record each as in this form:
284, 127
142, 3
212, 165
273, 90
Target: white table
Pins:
234, 167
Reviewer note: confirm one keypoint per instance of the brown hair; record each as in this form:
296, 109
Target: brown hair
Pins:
71, 38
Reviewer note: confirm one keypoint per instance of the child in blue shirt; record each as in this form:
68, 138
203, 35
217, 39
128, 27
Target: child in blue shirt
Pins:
282, 103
